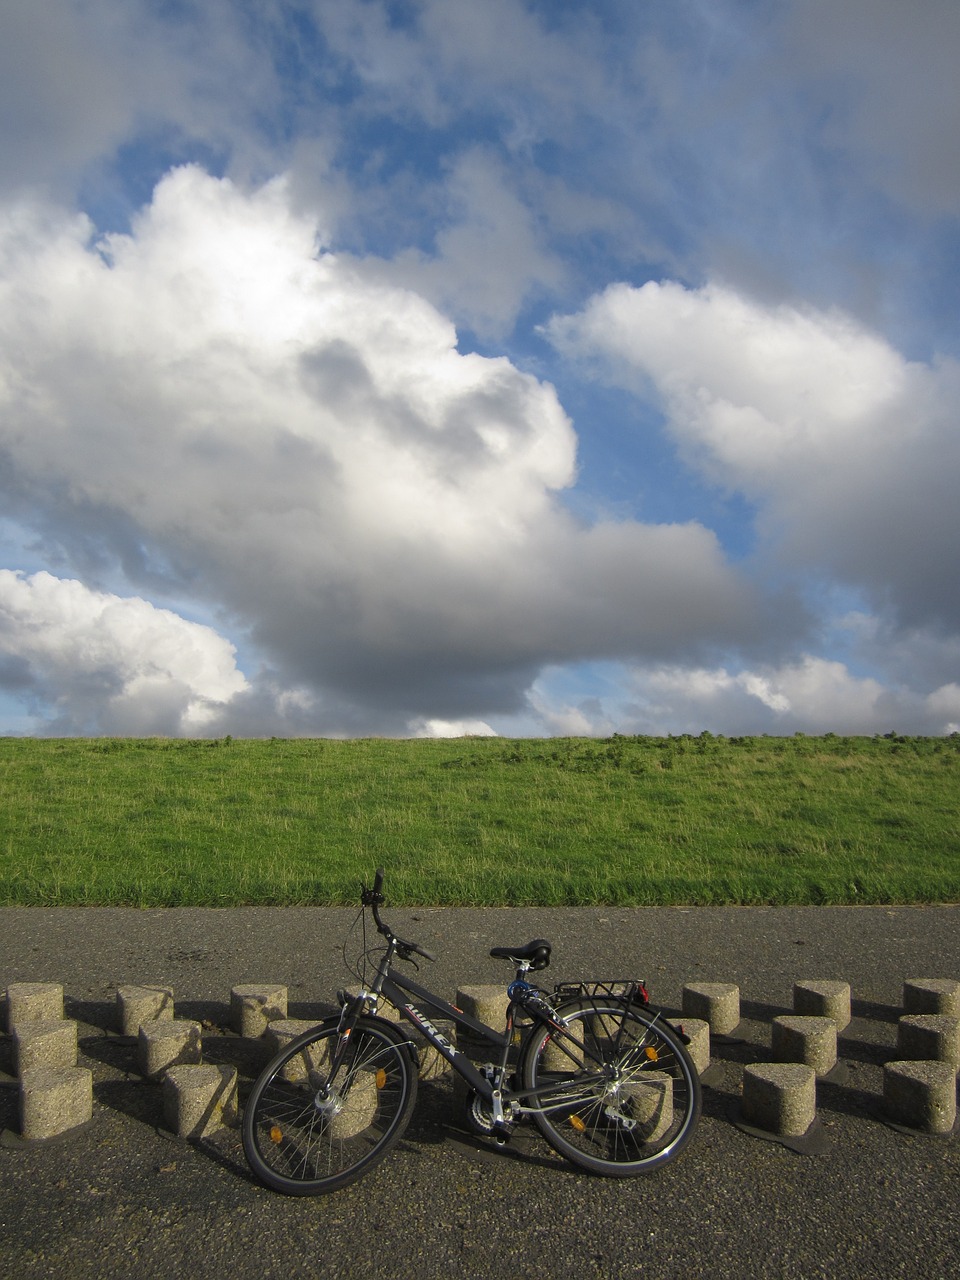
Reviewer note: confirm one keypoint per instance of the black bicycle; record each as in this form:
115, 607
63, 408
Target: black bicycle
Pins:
607, 1081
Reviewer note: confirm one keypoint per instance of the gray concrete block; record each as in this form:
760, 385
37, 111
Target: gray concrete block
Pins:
280, 1033
162, 1045
358, 1108
488, 1004
716, 1003
564, 1053
54, 1100
929, 1036
198, 1100
921, 1095
649, 1102
433, 1065
780, 1097
812, 1041
932, 995
253, 1006
698, 1032
823, 999
313, 1059
44, 1044
137, 1005
33, 1002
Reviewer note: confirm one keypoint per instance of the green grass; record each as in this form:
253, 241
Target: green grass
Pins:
627, 821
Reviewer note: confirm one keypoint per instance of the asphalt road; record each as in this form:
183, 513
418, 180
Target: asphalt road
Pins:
120, 1199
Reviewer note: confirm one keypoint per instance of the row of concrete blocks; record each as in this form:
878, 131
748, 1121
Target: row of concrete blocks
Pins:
919, 1089
56, 1094
780, 1097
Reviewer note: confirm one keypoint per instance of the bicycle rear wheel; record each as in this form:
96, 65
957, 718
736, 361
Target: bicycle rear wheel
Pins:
618, 1093
306, 1132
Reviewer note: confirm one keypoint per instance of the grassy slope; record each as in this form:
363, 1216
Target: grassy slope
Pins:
483, 821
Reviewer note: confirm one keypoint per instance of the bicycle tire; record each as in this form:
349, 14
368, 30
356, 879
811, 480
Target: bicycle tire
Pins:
622, 1096
303, 1135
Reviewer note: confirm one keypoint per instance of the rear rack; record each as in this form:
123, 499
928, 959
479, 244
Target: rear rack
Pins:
632, 990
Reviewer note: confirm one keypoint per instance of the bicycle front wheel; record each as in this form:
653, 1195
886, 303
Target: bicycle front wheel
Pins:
616, 1092
308, 1129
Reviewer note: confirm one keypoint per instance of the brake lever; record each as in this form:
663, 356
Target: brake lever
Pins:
406, 950
404, 953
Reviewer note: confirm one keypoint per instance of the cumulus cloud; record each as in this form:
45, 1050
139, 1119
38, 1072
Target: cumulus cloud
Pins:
812, 695
107, 664
849, 451
215, 401
451, 729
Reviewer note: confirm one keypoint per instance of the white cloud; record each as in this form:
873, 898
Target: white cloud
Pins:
451, 729
110, 665
213, 400
850, 451
811, 695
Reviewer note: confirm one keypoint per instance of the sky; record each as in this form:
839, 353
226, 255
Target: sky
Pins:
433, 367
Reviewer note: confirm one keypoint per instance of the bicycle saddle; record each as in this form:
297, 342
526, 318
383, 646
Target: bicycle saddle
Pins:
535, 953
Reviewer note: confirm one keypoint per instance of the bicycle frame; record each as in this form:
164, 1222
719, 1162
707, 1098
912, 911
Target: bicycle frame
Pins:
396, 987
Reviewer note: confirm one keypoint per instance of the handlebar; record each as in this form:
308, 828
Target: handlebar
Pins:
373, 898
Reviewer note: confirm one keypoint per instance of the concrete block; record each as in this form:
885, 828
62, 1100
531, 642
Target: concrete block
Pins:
44, 1044
162, 1045
716, 1003
253, 1007
137, 1005
921, 1095
780, 1097
930, 1036
358, 1108
812, 1041
487, 1004
280, 1033
433, 1065
932, 995
699, 1046
818, 999
54, 1100
560, 1054
33, 1002
649, 1103
313, 1059
199, 1099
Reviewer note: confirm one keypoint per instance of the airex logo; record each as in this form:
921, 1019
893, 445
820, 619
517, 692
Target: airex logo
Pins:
441, 1041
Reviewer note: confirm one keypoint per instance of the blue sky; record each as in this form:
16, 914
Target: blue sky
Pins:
435, 367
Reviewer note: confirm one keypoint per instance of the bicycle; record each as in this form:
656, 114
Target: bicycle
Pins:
607, 1081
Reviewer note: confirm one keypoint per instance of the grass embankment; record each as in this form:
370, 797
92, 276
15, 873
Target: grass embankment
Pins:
627, 821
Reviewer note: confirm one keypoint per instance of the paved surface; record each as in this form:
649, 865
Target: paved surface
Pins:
119, 1199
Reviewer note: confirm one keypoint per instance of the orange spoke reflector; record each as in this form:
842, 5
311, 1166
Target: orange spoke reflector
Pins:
651, 1053
381, 1078
276, 1135
577, 1123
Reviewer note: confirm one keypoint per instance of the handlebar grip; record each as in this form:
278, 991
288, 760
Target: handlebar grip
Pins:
378, 881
